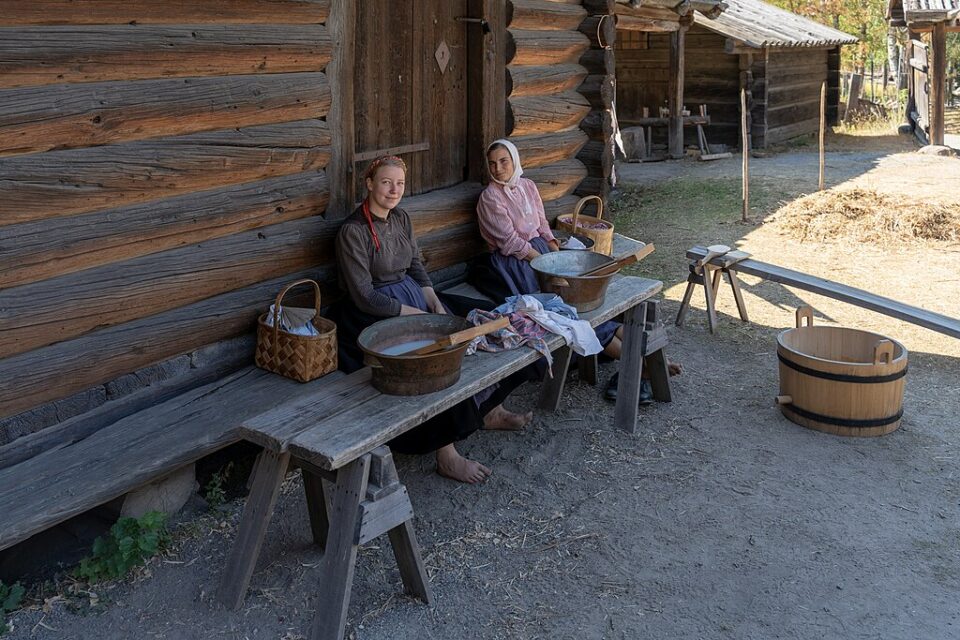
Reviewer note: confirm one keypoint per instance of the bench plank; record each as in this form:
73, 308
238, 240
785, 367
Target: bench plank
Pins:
916, 315
65, 481
334, 442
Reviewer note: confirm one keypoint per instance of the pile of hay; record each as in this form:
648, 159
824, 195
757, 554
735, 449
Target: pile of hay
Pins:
867, 215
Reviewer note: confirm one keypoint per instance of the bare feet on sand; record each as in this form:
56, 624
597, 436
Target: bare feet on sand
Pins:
501, 419
452, 465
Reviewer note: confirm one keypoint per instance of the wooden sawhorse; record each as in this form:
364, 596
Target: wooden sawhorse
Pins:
711, 273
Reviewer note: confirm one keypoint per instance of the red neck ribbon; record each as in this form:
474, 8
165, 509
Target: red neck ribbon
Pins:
369, 217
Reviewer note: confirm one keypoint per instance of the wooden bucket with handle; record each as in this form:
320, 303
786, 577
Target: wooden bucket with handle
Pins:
841, 381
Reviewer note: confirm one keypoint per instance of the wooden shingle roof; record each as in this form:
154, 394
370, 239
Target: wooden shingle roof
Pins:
757, 24
910, 11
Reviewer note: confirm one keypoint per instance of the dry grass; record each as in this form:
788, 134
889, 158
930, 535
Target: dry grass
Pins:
869, 216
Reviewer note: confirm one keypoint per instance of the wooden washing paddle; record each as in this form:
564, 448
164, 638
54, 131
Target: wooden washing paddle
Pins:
460, 337
611, 267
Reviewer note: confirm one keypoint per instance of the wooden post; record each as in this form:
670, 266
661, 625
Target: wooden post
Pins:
745, 149
488, 102
938, 80
823, 127
675, 97
341, 26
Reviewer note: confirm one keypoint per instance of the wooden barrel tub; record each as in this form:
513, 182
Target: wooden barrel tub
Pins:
841, 381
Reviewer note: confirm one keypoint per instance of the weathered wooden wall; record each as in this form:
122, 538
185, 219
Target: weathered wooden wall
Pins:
164, 172
784, 83
794, 78
161, 173
544, 106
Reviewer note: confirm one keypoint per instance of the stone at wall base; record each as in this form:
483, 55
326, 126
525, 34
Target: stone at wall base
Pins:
167, 495
936, 150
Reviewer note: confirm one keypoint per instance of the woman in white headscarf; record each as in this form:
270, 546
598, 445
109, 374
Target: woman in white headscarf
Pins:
513, 223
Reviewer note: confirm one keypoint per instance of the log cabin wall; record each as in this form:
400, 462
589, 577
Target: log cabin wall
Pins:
544, 106
784, 85
164, 173
794, 78
161, 175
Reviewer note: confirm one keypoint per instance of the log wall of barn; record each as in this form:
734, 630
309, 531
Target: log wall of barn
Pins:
711, 77
544, 106
794, 78
161, 175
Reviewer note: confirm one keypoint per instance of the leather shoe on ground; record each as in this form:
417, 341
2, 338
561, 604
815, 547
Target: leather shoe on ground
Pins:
646, 390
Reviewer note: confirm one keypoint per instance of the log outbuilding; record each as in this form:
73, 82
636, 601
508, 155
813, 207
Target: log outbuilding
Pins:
780, 58
927, 61
163, 173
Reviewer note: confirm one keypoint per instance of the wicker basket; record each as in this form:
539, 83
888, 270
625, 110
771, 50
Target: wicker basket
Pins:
602, 237
302, 358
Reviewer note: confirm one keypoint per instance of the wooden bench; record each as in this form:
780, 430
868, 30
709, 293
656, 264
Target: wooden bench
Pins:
336, 434
739, 262
91, 469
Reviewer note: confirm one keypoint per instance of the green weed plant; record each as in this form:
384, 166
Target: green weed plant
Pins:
10, 598
130, 543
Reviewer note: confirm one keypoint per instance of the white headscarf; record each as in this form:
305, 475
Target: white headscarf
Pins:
512, 186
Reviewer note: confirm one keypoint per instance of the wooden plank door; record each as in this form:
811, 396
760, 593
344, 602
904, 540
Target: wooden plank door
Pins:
404, 102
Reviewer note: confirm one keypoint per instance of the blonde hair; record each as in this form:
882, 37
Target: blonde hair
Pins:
384, 161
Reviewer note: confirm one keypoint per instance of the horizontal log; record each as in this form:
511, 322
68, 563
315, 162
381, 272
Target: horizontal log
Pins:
443, 208
560, 206
118, 350
776, 134
40, 250
558, 179
544, 149
545, 114
598, 125
595, 7
646, 25
70, 116
37, 56
598, 90
546, 15
50, 311
597, 157
75, 12
646, 10
528, 80
792, 94
600, 30
451, 246
600, 61
62, 183
546, 47
593, 187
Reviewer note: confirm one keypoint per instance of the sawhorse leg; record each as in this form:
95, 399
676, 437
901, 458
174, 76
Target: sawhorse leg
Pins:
553, 387
340, 556
270, 470
631, 368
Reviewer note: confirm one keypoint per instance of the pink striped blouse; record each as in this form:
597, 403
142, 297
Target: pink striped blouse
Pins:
504, 226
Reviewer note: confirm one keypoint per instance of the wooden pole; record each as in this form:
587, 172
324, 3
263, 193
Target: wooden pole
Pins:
823, 128
675, 88
938, 77
745, 148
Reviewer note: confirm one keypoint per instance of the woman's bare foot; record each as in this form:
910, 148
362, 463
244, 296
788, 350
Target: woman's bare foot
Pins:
675, 368
499, 418
451, 464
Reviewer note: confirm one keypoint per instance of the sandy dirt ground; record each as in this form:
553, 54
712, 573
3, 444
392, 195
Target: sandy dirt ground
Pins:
718, 519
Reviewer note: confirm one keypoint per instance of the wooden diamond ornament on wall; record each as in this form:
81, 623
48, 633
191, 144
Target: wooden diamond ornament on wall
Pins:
442, 55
